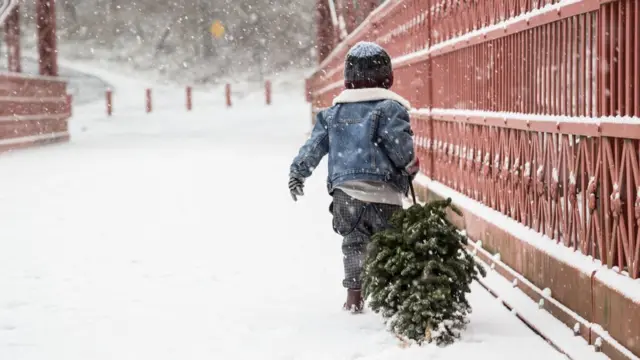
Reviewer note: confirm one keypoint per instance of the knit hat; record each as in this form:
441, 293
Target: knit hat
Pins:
367, 66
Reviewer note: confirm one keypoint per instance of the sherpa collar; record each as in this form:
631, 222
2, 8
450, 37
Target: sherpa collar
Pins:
369, 94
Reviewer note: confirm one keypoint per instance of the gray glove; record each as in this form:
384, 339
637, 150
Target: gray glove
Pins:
296, 187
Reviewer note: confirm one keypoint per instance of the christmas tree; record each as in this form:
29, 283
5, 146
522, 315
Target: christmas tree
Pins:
418, 272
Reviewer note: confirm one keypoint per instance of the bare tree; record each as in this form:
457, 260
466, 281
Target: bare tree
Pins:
260, 34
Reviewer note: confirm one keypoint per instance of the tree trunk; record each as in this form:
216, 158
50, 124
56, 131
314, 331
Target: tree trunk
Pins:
70, 12
207, 37
165, 35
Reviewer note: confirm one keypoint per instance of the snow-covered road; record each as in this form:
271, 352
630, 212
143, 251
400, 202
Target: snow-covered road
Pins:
173, 236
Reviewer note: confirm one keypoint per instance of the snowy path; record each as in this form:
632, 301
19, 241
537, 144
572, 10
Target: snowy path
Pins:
173, 236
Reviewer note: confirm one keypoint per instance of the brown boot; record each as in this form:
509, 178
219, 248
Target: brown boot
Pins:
355, 302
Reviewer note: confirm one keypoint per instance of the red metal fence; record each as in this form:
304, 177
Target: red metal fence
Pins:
531, 107
33, 110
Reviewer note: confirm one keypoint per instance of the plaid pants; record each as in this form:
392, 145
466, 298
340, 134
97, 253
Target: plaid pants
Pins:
357, 221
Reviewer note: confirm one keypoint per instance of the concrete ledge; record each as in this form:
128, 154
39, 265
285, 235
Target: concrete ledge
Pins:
618, 315
535, 308
573, 292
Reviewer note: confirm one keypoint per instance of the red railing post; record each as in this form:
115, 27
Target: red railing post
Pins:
429, 126
324, 30
109, 97
69, 103
149, 102
12, 39
227, 91
267, 91
350, 16
189, 99
47, 40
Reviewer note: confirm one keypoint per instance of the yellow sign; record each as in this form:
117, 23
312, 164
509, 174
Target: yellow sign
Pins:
217, 29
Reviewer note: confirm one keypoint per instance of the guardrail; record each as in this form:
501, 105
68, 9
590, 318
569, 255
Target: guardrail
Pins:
530, 107
543, 102
189, 103
33, 110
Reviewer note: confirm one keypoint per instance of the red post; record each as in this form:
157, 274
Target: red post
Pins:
149, 104
369, 6
227, 90
189, 100
47, 43
267, 91
350, 16
12, 38
324, 30
109, 102
69, 103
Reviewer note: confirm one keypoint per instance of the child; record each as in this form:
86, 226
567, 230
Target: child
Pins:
371, 160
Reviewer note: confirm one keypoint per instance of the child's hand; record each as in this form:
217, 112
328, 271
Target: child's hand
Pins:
296, 187
413, 168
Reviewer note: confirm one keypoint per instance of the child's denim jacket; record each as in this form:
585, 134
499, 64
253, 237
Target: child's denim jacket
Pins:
368, 137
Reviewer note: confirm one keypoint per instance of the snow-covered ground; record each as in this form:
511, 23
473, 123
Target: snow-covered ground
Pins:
173, 236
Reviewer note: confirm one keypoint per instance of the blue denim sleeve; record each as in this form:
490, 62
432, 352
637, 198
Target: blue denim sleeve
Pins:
395, 134
312, 152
